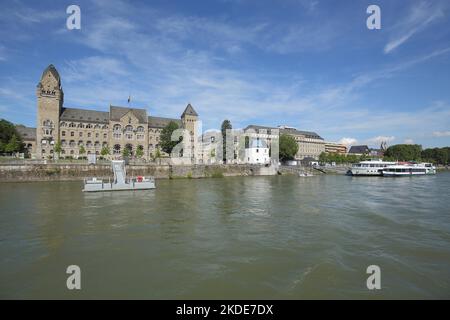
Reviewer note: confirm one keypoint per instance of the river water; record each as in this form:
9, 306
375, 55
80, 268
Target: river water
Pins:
281, 237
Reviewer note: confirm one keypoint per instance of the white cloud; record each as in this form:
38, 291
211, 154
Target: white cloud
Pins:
408, 141
440, 134
420, 17
348, 141
379, 139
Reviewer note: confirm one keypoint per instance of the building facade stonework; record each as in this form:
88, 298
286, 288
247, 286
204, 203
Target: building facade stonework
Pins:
82, 132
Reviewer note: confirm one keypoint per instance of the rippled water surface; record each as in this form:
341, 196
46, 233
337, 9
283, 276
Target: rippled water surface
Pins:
243, 237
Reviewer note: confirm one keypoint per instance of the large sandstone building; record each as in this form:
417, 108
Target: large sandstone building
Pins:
90, 130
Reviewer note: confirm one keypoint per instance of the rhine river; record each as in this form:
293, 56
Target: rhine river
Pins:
281, 237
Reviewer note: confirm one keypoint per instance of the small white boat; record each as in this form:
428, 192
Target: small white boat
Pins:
403, 170
372, 167
120, 181
305, 174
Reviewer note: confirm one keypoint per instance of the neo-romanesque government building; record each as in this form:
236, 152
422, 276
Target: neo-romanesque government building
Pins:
78, 129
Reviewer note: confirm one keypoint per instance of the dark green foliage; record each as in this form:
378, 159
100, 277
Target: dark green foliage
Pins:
226, 124
404, 152
10, 139
166, 142
288, 147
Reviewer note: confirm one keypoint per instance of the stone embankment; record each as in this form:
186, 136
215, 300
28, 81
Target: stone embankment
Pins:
77, 171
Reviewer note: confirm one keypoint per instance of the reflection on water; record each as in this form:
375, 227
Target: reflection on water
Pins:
259, 237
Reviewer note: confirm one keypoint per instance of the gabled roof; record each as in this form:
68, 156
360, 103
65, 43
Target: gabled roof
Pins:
116, 113
189, 111
26, 133
82, 115
160, 122
359, 149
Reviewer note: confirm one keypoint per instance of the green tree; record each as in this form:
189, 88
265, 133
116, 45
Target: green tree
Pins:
139, 151
126, 152
166, 142
157, 155
404, 152
81, 150
14, 144
437, 155
288, 147
58, 148
105, 151
7, 142
226, 125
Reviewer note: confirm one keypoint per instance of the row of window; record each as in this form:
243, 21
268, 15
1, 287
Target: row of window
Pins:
72, 152
89, 144
82, 125
80, 134
128, 128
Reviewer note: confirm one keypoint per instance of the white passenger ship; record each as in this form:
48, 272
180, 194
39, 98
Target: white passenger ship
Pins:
413, 169
373, 167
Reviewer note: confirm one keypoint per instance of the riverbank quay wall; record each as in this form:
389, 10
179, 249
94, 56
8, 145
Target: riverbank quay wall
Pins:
67, 172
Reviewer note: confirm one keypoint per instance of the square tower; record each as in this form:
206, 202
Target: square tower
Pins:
189, 119
50, 98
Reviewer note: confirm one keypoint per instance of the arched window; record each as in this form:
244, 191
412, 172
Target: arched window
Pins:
129, 132
116, 149
89, 126
89, 144
72, 125
117, 128
80, 143
63, 124
48, 123
140, 129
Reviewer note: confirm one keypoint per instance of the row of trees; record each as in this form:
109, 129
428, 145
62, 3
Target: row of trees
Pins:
10, 139
340, 158
399, 152
414, 152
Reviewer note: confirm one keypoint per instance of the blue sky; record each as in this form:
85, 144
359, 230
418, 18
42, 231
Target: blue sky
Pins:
311, 64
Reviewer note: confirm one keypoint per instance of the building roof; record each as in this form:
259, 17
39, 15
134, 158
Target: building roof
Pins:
26, 133
359, 149
189, 111
286, 130
307, 134
257, 127
160, 122
51, 68
83, 115
116, 113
